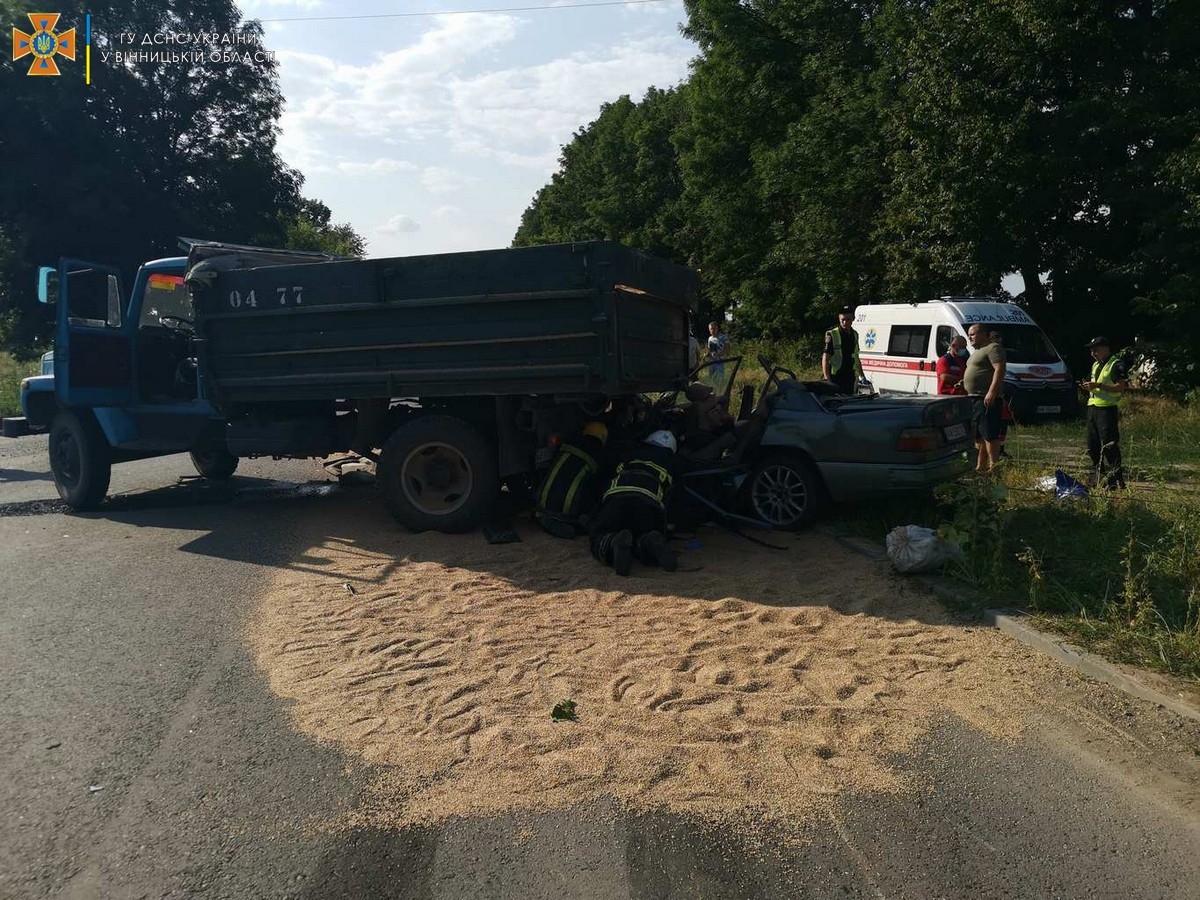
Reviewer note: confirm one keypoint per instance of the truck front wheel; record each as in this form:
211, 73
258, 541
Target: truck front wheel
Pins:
79, 459
438, 473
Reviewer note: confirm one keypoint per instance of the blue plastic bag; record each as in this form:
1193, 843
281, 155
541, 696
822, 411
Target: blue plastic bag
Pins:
1066, 487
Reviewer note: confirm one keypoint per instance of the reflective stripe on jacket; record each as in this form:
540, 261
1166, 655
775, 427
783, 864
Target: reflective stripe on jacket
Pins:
564, 485
642, 477
1103, 375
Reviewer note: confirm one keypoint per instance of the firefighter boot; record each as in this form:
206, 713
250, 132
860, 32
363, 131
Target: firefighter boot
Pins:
622, 552
654, 549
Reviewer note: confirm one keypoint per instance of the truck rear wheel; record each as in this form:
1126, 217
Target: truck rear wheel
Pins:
438, 473
79, 459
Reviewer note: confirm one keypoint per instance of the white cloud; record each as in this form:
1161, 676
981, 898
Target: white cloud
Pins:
418, 94
249, 7
438, 180
472, 109
377, 167
399, 224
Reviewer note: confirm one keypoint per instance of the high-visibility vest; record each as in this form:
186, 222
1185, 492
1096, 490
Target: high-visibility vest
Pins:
641, 477
1102, 374
834, 336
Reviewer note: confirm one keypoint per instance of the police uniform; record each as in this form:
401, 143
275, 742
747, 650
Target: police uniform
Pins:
632, 519
1103, 417
842, 367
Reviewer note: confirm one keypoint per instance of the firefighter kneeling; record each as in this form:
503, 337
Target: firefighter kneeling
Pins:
632, 520
572, 487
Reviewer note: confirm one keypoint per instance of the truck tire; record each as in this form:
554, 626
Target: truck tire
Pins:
79, 459
438, 473
214, 462
785, 491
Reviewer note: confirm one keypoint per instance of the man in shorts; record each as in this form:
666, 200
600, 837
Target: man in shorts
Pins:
983, 380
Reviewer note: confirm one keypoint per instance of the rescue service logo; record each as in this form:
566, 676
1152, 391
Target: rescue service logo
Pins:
44, 44
871, 339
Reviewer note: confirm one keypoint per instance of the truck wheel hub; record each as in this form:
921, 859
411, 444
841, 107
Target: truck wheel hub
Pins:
436, 478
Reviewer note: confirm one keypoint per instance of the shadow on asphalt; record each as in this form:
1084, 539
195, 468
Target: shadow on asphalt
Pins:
12, 476
188, 492
368, 863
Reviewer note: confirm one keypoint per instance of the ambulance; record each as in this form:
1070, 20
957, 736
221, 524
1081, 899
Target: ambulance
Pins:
899, 346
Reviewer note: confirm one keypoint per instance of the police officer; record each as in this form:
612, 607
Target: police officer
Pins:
571, 490
632, 519
1110, 379
839, 358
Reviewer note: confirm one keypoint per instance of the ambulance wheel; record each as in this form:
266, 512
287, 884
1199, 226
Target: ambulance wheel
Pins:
785, 491
79, 459
437, 473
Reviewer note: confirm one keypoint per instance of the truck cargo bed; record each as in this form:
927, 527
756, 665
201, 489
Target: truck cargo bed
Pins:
567, 319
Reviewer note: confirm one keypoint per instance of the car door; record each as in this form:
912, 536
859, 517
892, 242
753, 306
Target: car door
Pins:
93, 363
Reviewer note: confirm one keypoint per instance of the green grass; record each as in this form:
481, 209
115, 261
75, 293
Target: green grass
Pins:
11, 373
1119, 572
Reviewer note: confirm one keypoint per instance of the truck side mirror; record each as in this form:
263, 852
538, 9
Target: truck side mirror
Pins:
47, 284
114, 303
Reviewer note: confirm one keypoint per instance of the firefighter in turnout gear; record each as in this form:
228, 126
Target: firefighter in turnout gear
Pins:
571, 490
632, 520
1109, 380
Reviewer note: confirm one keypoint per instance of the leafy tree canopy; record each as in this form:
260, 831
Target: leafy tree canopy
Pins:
824, 153
116, 170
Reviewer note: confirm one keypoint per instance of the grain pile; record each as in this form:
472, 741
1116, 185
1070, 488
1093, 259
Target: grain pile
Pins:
759, 683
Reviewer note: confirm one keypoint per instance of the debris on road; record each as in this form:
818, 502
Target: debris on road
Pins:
564, 711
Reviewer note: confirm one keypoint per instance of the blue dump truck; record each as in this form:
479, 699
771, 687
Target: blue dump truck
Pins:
453, 372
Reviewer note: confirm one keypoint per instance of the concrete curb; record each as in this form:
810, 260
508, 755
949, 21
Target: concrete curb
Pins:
1012, 623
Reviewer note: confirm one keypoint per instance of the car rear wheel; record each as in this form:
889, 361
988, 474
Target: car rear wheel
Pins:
786, 492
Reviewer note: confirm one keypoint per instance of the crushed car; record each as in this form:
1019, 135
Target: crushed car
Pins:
802, 445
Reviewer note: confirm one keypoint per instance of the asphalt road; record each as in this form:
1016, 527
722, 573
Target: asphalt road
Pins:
141, 754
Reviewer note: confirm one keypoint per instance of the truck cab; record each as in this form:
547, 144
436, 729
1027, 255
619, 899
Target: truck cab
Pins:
124, 383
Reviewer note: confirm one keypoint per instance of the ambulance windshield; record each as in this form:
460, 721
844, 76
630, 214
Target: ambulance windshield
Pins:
1026, 344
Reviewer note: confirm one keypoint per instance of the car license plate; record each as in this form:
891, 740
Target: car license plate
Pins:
955, 432
1049, 409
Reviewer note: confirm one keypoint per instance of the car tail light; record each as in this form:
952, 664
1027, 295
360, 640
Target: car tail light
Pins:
917, 439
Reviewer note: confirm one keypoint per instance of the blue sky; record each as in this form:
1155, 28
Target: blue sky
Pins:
431, 134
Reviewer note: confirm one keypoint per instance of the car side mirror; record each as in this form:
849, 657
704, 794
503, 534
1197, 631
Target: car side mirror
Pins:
47, 285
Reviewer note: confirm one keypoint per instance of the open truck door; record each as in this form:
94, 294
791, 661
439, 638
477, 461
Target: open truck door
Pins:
93, 360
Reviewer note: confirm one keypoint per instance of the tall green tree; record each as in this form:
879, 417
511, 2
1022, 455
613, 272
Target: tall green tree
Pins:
619, 180
312, 228
1041, 137
116, 170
